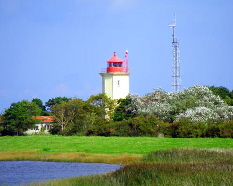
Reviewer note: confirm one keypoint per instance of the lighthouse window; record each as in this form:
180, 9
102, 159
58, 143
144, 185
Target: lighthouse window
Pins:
117, 64
118, 82
109, 64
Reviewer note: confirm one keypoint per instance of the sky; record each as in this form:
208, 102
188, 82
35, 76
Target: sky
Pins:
51, 48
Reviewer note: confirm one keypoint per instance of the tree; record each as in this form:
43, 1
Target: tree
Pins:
19, 117
1, 125
197, 102
75, 116
64, 114
121, 112
231, 94
104, 103
39, 103
223, 92
55, 101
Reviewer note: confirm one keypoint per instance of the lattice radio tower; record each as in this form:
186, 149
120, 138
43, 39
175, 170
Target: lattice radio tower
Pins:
176, 58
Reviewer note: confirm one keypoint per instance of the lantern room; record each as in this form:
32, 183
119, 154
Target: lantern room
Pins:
115, 64
115, 77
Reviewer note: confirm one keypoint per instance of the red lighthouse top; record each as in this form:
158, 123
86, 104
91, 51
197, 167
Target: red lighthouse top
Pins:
115, 59
115, 64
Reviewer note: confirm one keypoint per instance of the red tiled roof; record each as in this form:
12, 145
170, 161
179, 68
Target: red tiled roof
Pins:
45, 119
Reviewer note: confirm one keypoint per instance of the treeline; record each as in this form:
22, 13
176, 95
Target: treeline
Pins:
150, 126
195, 112
224, 93
72, 115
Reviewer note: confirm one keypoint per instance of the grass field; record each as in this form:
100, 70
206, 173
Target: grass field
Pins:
107, 145
149, 161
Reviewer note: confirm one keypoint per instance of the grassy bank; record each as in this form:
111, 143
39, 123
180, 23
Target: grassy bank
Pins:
167, 167
123, 150
149, 161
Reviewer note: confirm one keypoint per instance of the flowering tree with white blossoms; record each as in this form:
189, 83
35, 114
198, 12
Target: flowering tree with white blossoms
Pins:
196, 103
198, 114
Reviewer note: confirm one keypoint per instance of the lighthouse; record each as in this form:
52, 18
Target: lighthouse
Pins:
115, 78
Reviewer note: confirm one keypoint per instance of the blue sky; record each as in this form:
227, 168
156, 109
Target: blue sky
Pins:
51, 48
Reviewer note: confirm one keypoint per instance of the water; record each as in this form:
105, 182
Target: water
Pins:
22, 172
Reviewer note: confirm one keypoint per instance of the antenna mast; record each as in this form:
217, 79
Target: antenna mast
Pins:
126, 61
176, 58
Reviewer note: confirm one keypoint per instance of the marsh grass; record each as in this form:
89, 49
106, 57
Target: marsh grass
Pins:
172, 168
69, 157
189, 155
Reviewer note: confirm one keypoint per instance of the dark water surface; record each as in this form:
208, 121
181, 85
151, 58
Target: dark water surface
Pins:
23, 172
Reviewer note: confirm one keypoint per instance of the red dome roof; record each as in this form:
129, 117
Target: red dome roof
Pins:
115, 59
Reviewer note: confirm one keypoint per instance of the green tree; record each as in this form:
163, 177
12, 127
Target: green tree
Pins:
231, 94
40, 104
1, 125
19, 117
75, 116
66, 113
221, 91
55, 101
228, 100
106, 104
121, 112
224, 93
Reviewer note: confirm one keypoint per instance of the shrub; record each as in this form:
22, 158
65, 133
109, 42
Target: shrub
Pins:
138, 126
212, 130
226, 129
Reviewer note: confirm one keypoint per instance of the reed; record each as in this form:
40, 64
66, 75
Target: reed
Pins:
190, 155
197, 170
69, 157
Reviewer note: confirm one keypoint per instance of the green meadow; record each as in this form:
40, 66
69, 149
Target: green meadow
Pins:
107, 145
146, 160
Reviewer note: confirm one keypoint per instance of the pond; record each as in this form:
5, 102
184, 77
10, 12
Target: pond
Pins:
22, 172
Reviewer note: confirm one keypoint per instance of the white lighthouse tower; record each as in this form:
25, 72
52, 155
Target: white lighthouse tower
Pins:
115, 78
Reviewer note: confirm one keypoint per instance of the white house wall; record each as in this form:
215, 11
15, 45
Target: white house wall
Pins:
38, 128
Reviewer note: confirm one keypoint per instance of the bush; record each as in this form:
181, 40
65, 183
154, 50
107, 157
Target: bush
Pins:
138, 126
226, 129
184, 128
212, 130
100, 128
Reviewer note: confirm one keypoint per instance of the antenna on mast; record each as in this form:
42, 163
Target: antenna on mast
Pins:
126, 61
176, 57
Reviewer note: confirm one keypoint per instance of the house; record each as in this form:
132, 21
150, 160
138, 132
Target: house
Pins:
43, 125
